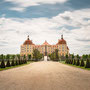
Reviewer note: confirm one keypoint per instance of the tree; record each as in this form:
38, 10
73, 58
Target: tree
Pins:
86, 56
83, 56
36, 54
29, 56
7, 56
78, 56
56, 55
13, 57
2, 56
52, 57
82, 63
66, 56
89, 56
87, 64
67, 61
72, 56
18, 55
24, 57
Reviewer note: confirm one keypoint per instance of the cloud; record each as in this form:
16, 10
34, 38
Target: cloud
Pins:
20, 9
15, 31
75, 18
22, 4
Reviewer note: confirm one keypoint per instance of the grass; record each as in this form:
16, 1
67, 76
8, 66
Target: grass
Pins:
6, 68
63, 62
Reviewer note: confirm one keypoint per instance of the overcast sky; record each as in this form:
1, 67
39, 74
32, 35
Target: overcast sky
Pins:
45, 20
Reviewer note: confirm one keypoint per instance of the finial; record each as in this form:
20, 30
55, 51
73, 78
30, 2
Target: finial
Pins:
62, 36
28, 37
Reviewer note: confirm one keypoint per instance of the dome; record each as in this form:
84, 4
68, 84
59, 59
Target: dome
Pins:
45, 43
28, 42
61, 41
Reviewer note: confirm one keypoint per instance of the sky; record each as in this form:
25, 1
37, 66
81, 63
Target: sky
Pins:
45, 20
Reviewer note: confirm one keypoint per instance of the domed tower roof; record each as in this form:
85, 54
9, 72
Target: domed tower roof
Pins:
45, 43
61, 41
28, 41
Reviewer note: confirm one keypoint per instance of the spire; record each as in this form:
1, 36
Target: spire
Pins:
28, 37
45, 41
62, 36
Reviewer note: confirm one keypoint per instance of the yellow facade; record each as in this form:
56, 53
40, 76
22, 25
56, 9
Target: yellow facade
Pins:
28, 47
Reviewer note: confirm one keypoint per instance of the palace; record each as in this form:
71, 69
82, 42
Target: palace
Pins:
46, 49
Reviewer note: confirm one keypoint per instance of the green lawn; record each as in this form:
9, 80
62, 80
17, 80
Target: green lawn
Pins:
63, 62
14, 66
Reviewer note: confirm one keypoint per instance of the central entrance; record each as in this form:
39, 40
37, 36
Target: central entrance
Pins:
45, 57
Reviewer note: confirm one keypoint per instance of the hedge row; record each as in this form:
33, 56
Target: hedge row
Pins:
12, 63
79, 62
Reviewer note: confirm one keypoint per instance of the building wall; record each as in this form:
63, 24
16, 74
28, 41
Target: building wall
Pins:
28, 49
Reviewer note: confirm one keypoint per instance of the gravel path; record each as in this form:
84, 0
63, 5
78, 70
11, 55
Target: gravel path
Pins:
45, 76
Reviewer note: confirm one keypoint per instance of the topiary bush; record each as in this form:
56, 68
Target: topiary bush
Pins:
74, 62
78, 63
2, 64
19, 62
8, 64
82, 64
66, 61
13, 63
87, 64
69, 61
16, 62
25, 61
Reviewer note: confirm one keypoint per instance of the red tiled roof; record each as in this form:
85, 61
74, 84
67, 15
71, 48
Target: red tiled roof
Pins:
28, 41
67, 48
45, 43
62, 41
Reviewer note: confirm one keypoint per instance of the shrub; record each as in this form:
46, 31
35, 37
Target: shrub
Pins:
78, 62
74, 62
16, 62
8, 63
66, 61
82, 64
2, 64
69, 61
19, 62
87, 64
25, 61
13, 63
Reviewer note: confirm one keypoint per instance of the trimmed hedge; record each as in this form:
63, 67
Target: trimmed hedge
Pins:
87, 63
82, 64
8, 64
2, 64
